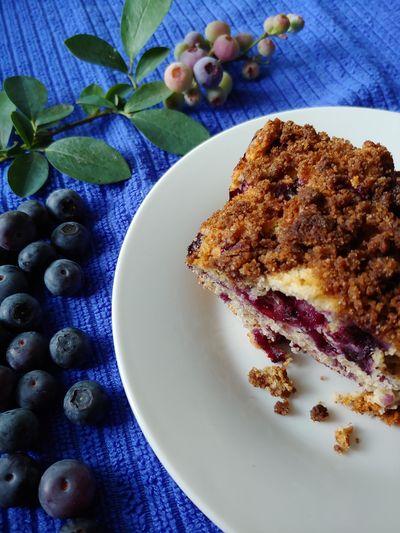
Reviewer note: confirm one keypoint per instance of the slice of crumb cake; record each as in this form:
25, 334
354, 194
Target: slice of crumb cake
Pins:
308, 249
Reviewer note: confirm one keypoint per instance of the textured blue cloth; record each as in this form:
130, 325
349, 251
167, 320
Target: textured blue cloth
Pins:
348, 54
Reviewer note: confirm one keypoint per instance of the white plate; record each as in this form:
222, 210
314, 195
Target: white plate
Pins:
184, 358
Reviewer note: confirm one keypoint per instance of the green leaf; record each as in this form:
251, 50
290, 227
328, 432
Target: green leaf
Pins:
95, 50
92, 89
140, 19
23, 127
27, 93
28, 173
170, 130
95, 100
120, 89
147, 95
6, 108
150, 61
54, 114
88, 159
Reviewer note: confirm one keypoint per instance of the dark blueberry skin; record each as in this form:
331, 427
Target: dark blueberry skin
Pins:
67, 488
70, 347
66, 205
37, 390
63, 277
19, 430
81, 525
27, 351
8, 381
5, 338
36, 257
12, 280
38, 213
86, 402
19, 480
20, 312
16, 230
71, 239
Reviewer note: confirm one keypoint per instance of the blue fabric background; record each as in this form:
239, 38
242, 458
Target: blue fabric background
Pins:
348, 54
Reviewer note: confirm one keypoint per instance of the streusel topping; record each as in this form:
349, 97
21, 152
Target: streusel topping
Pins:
316, 202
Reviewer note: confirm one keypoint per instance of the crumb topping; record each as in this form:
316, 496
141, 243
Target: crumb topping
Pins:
362, 403
342, 438
303, 199
273, 378
319, 413
282, 407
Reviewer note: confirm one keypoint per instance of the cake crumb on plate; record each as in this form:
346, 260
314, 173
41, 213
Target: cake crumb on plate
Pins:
342, 437
319, 413
282, 407
273, 378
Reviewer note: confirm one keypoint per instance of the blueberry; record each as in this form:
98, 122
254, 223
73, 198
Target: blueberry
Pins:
216, 28
65, 204
85, 403
16, 230
178, 77
192, 55
67, 488
19, 480
37, 390
5, 338
38, 213
27, 351
20, 312
266, 47
71, 239
226, 48
208, 72
81, 525
8, 380
12, 280
245, 40
37, 256
69, 347
19, 430
194, 37
63, 278
251, 70
175, 101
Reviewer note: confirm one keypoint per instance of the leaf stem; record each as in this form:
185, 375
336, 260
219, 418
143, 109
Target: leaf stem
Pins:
133, 81
85, 120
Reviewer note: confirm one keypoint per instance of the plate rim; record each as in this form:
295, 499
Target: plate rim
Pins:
155, 445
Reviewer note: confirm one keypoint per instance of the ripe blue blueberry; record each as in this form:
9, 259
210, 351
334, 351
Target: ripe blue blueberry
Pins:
71, 239
12, 280
81, 525
19, 480
67, 489
37, 390
208, 72
27, 351
35, 257
65, 205
85, 403
69, 347
20, 312
8, 380
63, 278
16, 230
19, 430
38, 213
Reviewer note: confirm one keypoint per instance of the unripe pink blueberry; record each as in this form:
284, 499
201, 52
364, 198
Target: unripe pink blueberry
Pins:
175, 101
178, 77
269, 24
193, 96
244, 40
226, 48
179, 49
251, 70
226, 83
208, 72
216, 96
280, 24
215, 29
192, 55
296, 22
194, 37
266, 47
